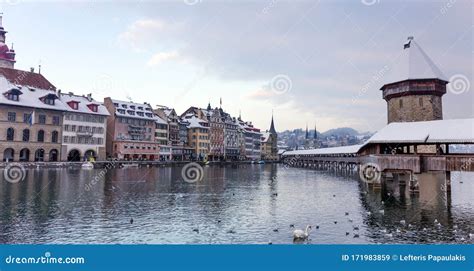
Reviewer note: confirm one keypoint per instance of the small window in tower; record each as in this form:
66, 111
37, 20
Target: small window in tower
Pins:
401, 103
420, 101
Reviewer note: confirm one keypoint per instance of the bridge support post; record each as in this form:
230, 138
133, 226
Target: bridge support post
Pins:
413, 184
447, 184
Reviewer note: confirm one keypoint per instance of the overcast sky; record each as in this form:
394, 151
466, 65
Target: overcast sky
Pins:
308, 61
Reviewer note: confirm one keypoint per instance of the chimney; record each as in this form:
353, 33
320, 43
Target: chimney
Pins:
32, 69
89, 97
70, 94
59, 92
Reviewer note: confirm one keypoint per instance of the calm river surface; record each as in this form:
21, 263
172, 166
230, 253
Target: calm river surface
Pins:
253, 204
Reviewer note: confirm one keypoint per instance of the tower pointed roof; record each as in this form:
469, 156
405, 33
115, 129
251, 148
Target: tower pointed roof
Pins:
315, 136
415, 64
272, 126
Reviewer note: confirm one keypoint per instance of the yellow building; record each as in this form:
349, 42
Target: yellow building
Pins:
198, 136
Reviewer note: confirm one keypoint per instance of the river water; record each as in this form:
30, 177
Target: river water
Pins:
246, 204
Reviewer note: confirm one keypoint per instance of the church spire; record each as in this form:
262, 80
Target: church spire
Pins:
315, 136
307, 133
272, 126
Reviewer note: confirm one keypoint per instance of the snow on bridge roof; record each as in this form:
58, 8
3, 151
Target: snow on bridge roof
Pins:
437, 131
335, 150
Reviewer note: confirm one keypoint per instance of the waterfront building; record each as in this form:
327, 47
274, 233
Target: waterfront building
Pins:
84, 128
161, 137
215, 118
170, 116
231, 136
31, 117
182, 151
131, 131
269, 147
251, 143
198, 136
416, 95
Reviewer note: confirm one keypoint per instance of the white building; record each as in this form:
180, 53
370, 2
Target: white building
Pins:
84, 128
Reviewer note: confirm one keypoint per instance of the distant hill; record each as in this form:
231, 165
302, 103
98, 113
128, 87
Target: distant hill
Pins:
343, 131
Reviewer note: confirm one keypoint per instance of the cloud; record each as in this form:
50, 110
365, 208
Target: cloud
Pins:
140, 33
260, 94
160, 57
337, 55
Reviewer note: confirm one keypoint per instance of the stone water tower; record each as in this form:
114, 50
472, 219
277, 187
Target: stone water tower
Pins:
417, 94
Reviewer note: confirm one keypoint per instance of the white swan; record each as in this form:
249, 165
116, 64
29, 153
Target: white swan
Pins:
300, 234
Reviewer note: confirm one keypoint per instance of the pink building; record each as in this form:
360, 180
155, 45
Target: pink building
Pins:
131, 131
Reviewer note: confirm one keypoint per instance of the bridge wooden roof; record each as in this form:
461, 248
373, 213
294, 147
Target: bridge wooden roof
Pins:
429, 132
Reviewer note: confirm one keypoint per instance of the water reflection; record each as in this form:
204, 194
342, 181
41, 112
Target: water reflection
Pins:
232, 204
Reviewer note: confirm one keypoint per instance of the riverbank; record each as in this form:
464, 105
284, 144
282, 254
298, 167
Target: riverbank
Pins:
120, 164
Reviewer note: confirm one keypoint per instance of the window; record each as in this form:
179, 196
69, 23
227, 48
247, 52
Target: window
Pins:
42, 119
11, 116
401, 103
420, 101
48, 101
55, 120
54, 137
26, 135
26, 117
13, 97
65, 139
10, 134
40, 136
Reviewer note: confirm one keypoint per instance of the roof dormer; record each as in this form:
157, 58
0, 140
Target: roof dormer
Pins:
49, 99
73, 104
13, 94
93, 107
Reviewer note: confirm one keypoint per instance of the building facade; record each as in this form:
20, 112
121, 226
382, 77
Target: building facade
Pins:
30, 117
269, 144
231, 135
131, 131
84, 128
198, 136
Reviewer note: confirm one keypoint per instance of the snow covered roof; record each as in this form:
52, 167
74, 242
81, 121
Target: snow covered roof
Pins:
30, 97
414, 63
133, 110
265, 136
160, 120
437, 131
459, 131
83, 103
194, 122
335, 150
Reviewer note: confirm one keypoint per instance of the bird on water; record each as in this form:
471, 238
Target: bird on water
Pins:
301, 235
